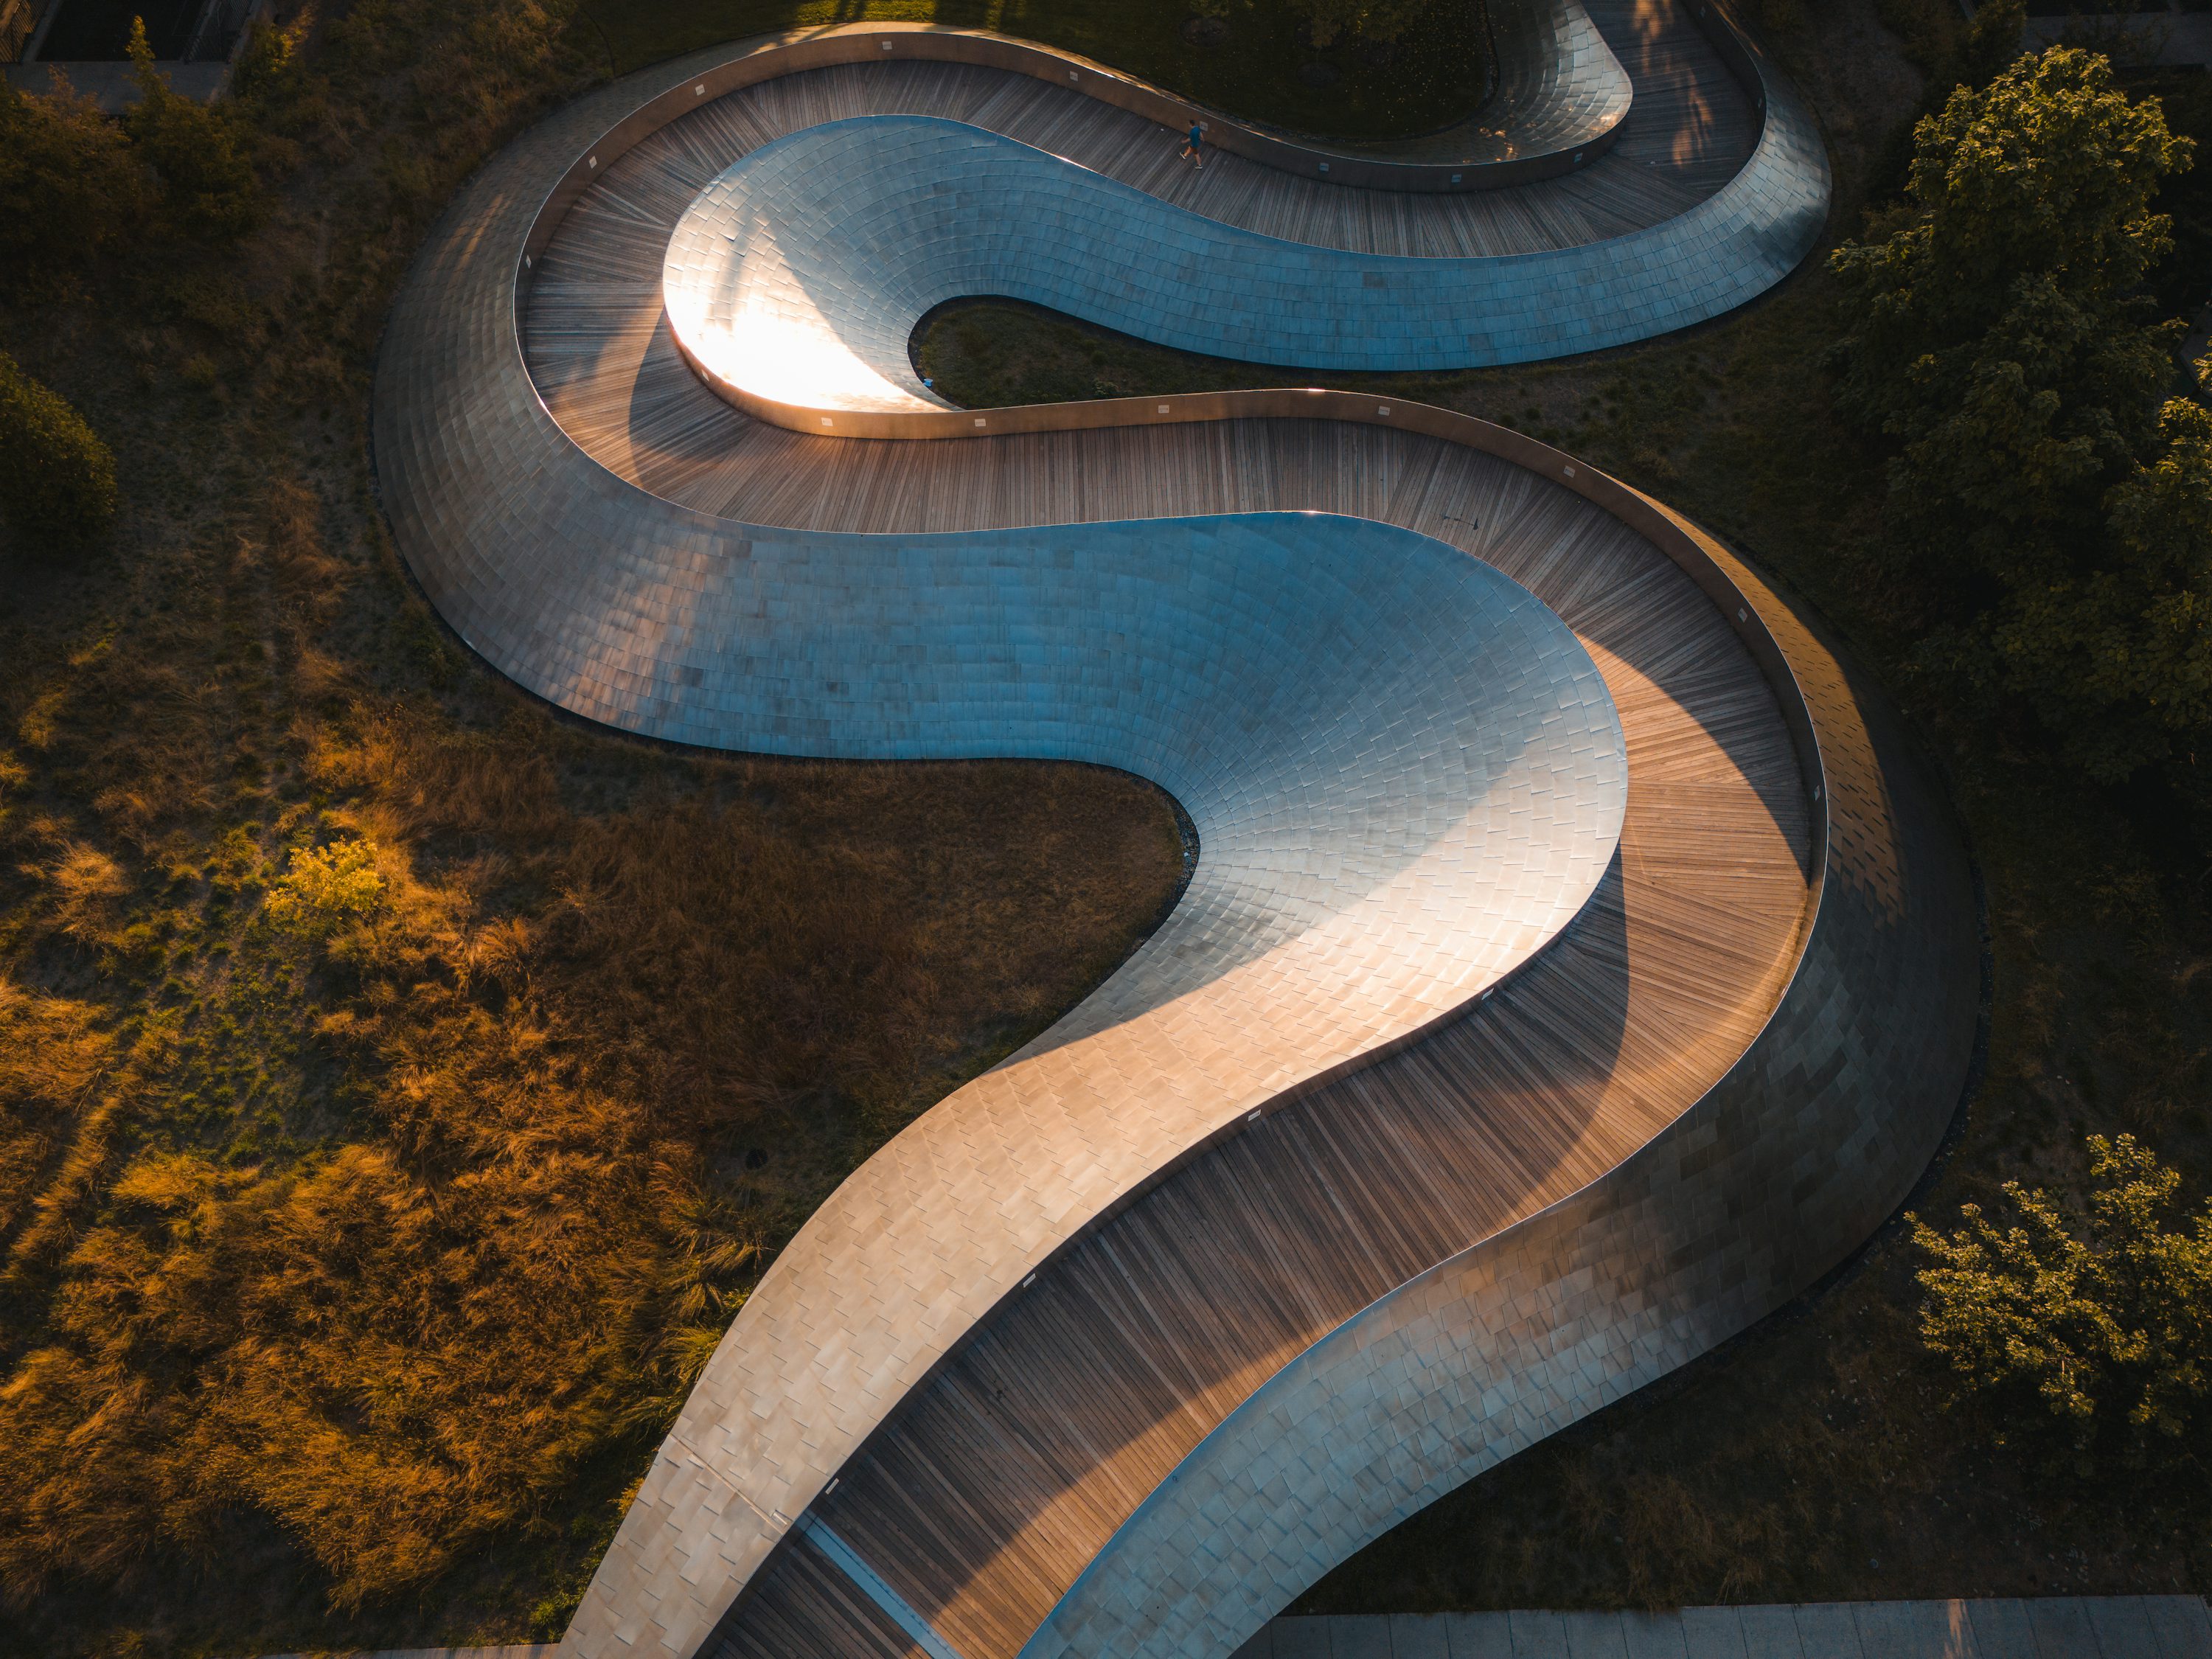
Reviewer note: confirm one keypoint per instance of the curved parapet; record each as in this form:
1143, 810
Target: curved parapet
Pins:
1790, 1160
795, 279
1560, 88
1558, 96
1523, 812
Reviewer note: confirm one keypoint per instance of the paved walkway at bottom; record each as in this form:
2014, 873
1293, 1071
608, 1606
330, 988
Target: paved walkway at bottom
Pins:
2054, 1627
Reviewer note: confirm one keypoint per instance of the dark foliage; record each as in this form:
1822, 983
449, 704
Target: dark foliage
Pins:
197, 153
69, 187
56, 478
2043, 480
2091, 1324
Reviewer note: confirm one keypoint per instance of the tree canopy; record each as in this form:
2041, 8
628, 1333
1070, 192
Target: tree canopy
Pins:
2092, 1322
57, 478
67, 185
2047, 473
197, 153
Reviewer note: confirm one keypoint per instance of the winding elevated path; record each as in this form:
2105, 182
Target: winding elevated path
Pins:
1575, 967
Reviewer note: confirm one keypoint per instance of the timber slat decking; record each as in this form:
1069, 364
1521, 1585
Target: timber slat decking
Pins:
814, 1608
998, 1485
1691, 1101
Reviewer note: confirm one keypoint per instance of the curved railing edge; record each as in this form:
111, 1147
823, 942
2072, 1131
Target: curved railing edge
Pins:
1703, 560
768, 58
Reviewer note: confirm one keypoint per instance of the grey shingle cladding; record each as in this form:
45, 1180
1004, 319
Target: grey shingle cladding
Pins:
629, 609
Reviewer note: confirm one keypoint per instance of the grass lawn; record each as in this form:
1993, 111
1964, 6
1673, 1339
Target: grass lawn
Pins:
1430, 79
401, 1085
1812, 1458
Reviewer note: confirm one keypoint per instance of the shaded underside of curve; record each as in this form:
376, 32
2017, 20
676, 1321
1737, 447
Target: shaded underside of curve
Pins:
1556, 86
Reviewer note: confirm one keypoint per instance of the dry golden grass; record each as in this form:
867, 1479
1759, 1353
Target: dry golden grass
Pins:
508, 1058
401, 1087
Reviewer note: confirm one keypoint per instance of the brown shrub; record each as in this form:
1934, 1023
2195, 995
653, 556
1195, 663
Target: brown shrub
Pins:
51, 1055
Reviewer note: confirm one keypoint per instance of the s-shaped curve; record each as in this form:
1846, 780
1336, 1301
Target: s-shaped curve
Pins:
1572, 971
797, 278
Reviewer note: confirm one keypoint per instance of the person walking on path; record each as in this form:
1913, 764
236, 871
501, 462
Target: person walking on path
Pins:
1191, 145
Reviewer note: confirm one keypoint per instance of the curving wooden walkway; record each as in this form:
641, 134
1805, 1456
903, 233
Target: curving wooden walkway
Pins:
1416, 1133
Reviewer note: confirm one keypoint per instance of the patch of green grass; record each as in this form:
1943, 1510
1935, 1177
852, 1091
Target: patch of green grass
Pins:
987, 354
1430, 79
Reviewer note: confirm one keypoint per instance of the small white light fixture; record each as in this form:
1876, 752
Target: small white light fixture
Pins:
979, 420
1163, 409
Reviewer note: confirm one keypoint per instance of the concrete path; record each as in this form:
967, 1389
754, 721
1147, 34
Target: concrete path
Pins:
2054, 1627
2051, 1627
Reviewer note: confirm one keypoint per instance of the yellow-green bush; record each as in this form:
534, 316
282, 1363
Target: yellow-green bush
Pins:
2095, 1321
326, 888
56, 478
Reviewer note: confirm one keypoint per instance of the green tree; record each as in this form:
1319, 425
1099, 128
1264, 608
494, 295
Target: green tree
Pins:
68, 185
2096, 1323
2134, 635
270, 57
1997, 342
197, 151
57, 478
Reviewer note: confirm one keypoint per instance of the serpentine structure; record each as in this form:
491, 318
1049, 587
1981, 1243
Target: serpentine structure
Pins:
1576, 964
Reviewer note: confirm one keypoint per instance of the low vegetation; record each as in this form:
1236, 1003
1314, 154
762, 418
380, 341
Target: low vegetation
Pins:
400, 1086
57, 478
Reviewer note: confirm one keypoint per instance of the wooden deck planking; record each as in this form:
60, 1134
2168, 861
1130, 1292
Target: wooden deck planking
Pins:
998, 1484
812, 1608
1704, 912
